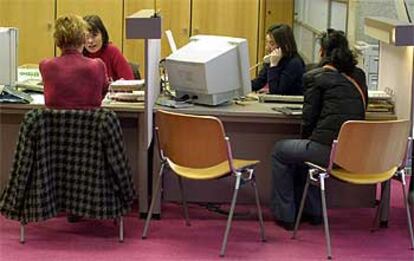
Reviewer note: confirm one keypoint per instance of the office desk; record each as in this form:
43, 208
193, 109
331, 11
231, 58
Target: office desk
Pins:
253, 130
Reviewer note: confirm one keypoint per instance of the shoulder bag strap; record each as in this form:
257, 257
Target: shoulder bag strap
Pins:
355, 83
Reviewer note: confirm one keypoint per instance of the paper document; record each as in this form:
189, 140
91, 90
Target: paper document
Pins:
171, 41
135, 96
38, 98
127, 85
28, 72
30, 85
378, 94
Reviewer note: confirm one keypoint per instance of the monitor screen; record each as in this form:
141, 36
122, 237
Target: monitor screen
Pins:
8, 55
210, 70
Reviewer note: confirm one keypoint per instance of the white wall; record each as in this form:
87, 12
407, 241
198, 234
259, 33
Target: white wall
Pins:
318, 15
396, 73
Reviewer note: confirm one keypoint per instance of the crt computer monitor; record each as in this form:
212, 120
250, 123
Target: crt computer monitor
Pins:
8, 56
210, 70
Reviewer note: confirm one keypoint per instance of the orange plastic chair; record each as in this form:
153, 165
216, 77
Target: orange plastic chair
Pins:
365, 152
195, 147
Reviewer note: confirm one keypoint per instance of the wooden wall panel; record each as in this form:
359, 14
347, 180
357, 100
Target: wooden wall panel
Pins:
34, 19
229, 18
110, 12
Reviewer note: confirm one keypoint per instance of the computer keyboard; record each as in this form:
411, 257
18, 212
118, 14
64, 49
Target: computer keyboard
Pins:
288, 111
281, 98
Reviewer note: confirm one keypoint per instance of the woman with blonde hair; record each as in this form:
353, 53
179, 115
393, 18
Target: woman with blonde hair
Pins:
72, 81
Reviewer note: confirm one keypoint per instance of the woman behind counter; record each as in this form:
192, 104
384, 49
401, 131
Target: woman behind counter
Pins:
97, 45
330, 99
72, 81
283, 67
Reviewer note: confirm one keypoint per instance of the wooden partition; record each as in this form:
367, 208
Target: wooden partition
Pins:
35, 20
110, 12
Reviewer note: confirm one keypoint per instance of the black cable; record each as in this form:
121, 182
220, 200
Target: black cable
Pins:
216, 208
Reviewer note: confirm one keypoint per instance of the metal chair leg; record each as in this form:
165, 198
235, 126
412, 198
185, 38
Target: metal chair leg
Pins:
259, 210
184, 201
21, 233
407, 208
380, 208
325, 215
383, 222
230, 217
301, 206
155, 195
121, 229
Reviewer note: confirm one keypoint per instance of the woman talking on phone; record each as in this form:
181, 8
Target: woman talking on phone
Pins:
283, 67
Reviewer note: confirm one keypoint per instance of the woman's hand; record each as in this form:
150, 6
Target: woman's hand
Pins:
275, 56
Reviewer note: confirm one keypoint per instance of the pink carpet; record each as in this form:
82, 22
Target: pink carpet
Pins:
170, 239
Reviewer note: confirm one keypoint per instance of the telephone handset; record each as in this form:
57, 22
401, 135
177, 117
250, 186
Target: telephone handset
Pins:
266, 58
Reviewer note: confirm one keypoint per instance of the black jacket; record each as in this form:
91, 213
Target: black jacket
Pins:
329, 100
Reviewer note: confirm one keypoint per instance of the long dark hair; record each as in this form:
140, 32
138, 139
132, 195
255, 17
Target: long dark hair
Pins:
335, 51
97, 26
283, 36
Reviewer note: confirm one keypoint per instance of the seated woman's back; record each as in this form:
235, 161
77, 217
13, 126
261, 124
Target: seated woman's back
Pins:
72, 81
335, 92
330, 100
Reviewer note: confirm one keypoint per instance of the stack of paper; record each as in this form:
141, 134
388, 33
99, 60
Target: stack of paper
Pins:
380, 101
30, 85
127, 85
135, 96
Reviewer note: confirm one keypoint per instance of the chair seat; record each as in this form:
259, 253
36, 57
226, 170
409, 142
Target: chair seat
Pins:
213, 172
363, 178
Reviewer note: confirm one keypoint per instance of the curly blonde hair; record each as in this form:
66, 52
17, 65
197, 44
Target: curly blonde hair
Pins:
70, 31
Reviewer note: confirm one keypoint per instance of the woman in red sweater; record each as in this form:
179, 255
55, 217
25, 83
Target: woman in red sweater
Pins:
97, 45
72, 81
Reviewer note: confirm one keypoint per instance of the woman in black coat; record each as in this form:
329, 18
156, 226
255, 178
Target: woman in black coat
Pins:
334, 92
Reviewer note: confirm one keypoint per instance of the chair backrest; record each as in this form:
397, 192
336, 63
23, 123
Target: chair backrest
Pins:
190, 140
135, 70
372, 146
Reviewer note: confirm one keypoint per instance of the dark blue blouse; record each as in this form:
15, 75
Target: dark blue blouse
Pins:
285, 78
